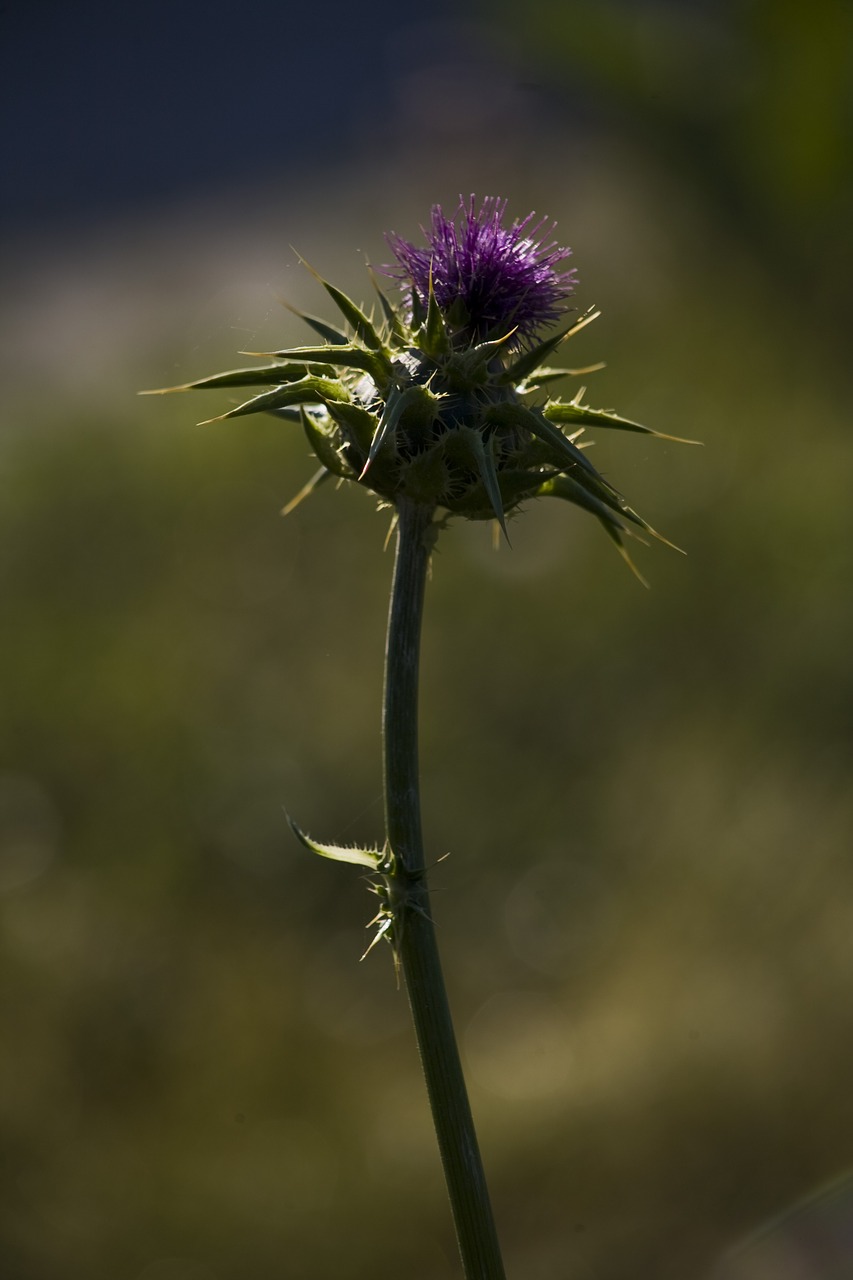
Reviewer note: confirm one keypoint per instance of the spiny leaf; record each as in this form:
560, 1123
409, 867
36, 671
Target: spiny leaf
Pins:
489, 477
418, 312
257, 376
570, 490
369, 858
392, 316
541, 377
519, 415
575, 414
328, 331
323, 447
479, 454
308, 391
396, 405
597, 487
433, 331
356, 421
354, 316
566, 488
524, 365
516, 486
473, 363
376, 363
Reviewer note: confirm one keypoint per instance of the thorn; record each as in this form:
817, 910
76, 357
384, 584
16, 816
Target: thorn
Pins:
307, 265
391, 528
303, 493
630, 563
591, 315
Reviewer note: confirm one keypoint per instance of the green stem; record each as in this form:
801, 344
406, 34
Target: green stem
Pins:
415, 932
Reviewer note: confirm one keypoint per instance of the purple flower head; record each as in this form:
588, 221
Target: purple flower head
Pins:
494, 278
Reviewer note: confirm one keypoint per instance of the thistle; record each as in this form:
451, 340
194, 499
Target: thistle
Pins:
441, 406
443, 400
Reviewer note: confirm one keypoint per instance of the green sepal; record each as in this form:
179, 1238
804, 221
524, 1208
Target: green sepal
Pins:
478, 454
529, 360
489, 477
518, 415
457, 315
470, 366
515, 487
564, 487
392, 316
307, 391
418, 312
541, 378
354, 316
597, 489
375, 363
432, 336
570, 490
370, 858
574, 414
539, 454
417, 400
524, 365
359, 422
324, 448
257, 376
518, 485
426, 475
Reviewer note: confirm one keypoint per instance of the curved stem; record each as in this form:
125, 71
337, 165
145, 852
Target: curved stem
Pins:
415, 933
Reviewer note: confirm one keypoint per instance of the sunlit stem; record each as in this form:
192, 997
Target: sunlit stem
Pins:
414, 930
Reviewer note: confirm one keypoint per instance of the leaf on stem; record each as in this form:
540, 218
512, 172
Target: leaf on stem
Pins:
370, 858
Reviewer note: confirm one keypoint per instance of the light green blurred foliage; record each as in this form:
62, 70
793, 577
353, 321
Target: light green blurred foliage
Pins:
748, 102
646, 911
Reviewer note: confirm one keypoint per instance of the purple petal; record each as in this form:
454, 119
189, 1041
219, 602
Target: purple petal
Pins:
504, 277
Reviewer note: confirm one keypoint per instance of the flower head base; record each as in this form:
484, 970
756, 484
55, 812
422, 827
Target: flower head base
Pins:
492, 279
431, 404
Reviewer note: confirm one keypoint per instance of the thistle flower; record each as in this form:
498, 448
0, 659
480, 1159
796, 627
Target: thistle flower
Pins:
491, 277
443, 400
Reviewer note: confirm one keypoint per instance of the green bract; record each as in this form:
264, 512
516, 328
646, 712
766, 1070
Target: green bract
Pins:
400, 406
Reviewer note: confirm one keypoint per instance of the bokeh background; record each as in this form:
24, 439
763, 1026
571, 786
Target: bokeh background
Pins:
647, 915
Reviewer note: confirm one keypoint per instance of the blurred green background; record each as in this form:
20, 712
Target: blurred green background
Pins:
647, 917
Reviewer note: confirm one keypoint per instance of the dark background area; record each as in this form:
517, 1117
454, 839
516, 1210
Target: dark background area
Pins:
647, 911
108, 110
